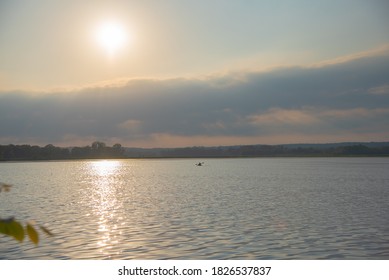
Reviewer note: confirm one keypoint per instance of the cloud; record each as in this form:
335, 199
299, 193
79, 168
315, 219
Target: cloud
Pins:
316, 120
276, 116
381, 90
380, 51
345, 100
130, 125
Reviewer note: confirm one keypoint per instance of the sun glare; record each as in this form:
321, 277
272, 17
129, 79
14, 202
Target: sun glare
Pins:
111, 36
105, 167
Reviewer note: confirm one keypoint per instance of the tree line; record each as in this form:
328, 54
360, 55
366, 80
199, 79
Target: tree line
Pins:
50, 152
263, 151
99, 150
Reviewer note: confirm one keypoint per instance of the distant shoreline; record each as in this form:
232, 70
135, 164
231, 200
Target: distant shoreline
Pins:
188, 158
98, 150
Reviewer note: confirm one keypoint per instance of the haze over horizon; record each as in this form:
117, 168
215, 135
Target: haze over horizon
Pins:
193, 73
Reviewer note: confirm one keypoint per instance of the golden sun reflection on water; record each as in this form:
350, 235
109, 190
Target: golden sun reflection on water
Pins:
104, 168
104, 202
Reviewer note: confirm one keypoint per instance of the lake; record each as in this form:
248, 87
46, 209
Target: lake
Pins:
259, 208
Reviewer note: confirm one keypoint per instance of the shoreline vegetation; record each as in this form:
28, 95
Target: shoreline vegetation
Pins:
99, 150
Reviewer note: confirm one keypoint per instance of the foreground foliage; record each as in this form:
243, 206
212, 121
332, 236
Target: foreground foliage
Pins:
16, 229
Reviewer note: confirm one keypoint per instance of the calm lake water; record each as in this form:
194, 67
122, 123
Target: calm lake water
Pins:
267, 208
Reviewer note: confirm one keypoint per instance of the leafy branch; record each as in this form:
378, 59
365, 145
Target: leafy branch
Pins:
17, 230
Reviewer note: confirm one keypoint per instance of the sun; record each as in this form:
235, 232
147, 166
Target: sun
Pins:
112, 36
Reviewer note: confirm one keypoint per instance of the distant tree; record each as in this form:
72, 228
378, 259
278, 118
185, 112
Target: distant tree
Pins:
117, 146
356, 150
98, 145
118, 150
99, 149
81, 152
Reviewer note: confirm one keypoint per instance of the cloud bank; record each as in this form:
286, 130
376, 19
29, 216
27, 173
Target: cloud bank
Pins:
346, 100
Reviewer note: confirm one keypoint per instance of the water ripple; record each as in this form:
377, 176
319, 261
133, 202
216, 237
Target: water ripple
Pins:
230, 209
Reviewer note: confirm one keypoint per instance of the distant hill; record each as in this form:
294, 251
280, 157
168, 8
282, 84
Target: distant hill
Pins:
328, 149
98, 150
342, 144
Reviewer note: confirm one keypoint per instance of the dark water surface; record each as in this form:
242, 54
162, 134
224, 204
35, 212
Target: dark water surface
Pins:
268, 208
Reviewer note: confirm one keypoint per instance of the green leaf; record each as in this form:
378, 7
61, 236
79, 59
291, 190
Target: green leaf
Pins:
12, 228
32, 234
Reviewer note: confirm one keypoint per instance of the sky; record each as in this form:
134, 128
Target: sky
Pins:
179, 73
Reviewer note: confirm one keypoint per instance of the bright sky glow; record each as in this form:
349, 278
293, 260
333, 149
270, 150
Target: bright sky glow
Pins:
112, 36
45, 45
194, 72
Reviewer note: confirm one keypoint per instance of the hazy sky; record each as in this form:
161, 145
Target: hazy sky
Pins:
193, 72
